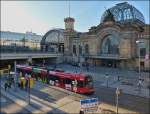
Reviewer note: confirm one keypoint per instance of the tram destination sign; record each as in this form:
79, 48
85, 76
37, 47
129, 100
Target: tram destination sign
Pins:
89, 105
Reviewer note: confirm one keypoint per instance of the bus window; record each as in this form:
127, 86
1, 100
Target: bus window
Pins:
51, 77
68, 81
89, 82
80, 84
54, 79
68, 84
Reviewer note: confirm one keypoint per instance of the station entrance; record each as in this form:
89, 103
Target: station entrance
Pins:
110, 63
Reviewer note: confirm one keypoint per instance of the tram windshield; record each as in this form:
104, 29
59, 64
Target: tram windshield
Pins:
89, 82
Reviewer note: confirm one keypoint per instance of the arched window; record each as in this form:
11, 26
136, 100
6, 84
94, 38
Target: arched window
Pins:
80, 50
110, 45
86, 49
74, 49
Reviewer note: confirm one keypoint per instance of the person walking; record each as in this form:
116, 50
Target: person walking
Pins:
9, 84
5, 86
26, 84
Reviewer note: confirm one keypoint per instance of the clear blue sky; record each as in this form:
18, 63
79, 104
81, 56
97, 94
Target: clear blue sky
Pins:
40, 16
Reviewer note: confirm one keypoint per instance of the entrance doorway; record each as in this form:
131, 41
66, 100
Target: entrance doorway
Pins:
110, 63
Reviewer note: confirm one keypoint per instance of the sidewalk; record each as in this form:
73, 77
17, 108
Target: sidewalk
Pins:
67, 104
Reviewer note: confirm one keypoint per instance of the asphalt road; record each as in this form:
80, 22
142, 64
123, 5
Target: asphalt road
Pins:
131, 102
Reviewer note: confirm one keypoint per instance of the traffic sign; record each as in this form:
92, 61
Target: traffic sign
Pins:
89, 105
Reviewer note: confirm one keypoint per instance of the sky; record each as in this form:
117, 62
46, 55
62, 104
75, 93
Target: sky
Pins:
41, 16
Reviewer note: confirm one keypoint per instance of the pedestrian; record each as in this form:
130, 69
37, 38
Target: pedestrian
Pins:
26, 85
21, 84
139, 86
5, 85
13, 81
9, 85
87, 67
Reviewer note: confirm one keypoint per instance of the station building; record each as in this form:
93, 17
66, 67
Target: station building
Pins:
121, 40
28, 39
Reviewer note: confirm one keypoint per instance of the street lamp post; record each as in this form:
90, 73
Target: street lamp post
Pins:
107, 79
138, 42
118, 92
139, 82
15, 76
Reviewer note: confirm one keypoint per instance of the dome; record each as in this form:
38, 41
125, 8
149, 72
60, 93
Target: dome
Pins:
124, 12
53, 36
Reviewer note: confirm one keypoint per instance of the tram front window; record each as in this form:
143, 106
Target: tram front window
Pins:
89, 82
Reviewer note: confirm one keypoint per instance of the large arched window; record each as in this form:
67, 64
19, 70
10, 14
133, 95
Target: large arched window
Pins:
80, 50
74, 49
86, 49
110, 45
53, 39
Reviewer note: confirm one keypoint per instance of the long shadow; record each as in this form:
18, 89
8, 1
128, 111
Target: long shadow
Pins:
46, 94
40, 95
8, 103
56, 111
36, 106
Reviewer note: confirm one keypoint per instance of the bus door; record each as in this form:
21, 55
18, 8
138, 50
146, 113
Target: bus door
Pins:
80, 85
89, 82
68, 84
62, 82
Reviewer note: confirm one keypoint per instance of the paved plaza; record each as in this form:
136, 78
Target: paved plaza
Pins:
49, 99
58, 57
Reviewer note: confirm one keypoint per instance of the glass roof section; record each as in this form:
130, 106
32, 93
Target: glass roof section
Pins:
54, 36
124, 12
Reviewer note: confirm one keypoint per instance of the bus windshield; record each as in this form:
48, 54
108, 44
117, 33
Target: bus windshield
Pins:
89, 82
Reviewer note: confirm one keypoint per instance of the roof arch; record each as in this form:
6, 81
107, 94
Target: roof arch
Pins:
124, 12
53, 36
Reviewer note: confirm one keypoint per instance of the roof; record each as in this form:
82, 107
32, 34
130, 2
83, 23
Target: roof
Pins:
124, 12
53, 36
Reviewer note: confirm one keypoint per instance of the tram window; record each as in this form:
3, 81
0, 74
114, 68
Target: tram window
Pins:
80, 84
51, 77
89, 82
68, 81
62, 81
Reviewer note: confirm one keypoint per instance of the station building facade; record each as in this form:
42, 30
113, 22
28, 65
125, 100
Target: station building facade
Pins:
120, 40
